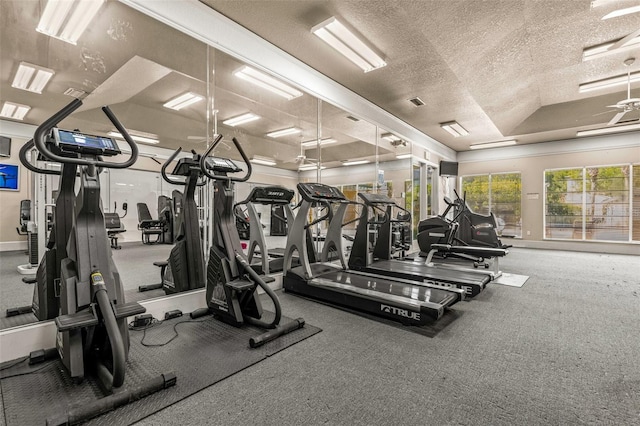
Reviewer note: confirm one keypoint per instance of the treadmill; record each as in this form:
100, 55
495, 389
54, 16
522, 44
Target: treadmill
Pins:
380, 262
401, 300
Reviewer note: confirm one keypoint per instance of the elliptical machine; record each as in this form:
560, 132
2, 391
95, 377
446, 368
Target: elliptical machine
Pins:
184, 270
440, 236
45, 303
232, 284
93, 336
467, 228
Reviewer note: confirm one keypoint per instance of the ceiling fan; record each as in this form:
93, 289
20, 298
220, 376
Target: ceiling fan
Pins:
626, 105
302, 159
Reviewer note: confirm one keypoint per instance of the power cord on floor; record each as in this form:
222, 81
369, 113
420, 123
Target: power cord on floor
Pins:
154, 322
17, 362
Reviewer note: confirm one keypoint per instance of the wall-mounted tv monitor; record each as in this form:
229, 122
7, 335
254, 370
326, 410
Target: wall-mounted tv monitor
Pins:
448, 168
9, 177
5, 146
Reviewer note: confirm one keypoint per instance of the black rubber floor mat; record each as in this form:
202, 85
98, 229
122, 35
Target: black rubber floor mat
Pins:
204, 352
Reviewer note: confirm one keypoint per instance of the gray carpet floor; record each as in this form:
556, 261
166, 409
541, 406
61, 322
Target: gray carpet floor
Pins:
561, 350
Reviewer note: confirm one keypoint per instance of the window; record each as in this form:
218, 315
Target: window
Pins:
592, 203
499, 193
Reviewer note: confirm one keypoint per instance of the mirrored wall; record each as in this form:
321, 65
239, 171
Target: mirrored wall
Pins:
172, 91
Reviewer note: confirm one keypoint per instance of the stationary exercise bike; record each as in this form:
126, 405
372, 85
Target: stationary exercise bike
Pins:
93, 337
232, 284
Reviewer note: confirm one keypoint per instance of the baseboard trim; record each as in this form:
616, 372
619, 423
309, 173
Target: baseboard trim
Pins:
13, 245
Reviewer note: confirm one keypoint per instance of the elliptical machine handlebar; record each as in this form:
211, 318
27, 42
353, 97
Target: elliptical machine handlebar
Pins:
27, 164
163, 170
203, 162
45, 128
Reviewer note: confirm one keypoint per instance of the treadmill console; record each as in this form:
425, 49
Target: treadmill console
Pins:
72, 141
270, 195
221, 165
371, 199
320, 192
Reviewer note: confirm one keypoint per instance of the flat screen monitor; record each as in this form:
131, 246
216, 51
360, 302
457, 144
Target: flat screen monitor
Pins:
82, 142
448, 168
5, 146
9, 177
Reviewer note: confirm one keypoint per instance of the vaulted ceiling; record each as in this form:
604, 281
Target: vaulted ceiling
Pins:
500, 68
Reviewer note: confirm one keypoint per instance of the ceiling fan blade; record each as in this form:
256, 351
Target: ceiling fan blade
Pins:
616, 118
601, 113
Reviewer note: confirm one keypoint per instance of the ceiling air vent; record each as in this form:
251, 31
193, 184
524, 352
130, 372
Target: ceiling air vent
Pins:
352, 118
76, 93
416, 101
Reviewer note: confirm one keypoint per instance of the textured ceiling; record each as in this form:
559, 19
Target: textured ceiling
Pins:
500, 68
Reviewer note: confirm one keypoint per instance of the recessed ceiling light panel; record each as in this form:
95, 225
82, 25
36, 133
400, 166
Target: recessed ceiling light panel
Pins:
354, 162
336, 35
605, 83
66, 20
455, 129
137, 136
314, 142
241, 119
284, 132
265, 161
14, 111
608, 130
493, 144
32, 78
183, 101
268, 82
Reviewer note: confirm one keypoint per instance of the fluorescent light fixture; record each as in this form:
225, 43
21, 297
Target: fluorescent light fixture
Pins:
182, 101
137, 136
284, 132
605, 83
606, 130
354, 162
621, 12
14, 111
31, 77
265, 81
266, 161
241, 119
403, 156
390, 137
454, 129
66, 20
492, 144
608, 48
336, 35
314, 142
309, 167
